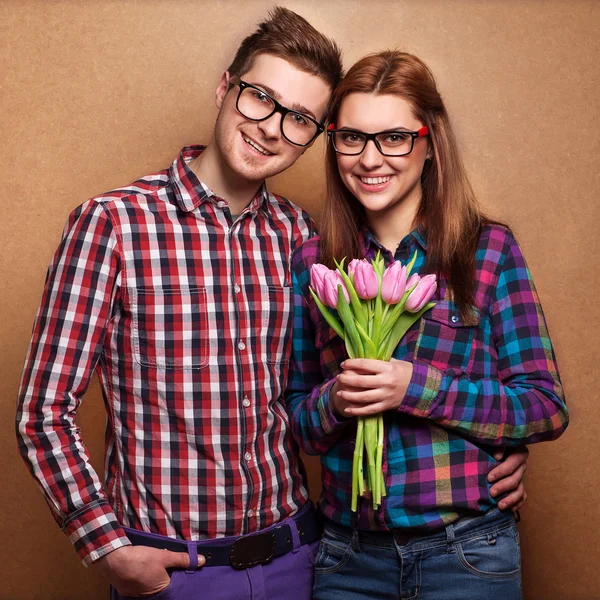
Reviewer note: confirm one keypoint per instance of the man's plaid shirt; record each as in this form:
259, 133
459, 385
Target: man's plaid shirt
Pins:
473, 389
186, 315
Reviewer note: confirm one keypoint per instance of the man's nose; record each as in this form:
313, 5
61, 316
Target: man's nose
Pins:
271, 127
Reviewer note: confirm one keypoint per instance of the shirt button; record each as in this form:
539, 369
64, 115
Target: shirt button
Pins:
250, 513
246, 402
241, 345
237, 288
248, 456
221, 204
454, 319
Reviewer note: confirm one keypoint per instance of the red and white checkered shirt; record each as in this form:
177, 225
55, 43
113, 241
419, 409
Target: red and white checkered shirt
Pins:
186, 316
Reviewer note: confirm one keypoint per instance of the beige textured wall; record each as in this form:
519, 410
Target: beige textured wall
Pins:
97, 93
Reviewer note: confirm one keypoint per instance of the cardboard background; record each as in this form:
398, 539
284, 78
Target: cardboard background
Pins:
95, 94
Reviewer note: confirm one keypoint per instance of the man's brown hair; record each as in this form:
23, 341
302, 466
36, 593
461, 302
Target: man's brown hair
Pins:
291, 37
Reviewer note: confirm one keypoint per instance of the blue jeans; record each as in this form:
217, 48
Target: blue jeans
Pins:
476, 558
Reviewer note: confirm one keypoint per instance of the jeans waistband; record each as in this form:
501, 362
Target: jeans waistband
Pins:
463, 527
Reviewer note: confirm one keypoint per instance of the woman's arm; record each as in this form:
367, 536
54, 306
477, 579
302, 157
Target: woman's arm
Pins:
314, 425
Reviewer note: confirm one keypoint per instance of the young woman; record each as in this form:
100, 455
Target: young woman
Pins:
475, 374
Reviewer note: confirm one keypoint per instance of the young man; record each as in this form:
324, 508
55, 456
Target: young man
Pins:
176, 290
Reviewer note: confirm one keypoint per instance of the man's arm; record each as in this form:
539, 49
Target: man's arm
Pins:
81, 290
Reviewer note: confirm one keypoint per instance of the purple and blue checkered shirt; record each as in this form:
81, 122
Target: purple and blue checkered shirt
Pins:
474, 388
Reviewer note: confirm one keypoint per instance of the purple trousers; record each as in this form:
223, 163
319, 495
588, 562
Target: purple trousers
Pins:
286, 577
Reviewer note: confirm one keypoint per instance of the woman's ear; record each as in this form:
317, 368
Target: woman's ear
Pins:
222, 89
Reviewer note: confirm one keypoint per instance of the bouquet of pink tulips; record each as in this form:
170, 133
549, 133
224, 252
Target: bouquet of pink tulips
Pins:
375, 308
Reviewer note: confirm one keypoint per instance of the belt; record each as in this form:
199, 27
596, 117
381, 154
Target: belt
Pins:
247, 550
385, 538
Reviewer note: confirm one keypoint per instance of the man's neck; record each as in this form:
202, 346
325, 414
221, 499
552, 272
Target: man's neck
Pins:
210, 168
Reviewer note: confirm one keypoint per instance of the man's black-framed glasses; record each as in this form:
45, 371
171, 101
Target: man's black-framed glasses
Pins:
352, 142
255, 104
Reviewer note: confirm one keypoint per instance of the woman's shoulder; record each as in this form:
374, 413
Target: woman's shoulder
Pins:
496, 241
307, 254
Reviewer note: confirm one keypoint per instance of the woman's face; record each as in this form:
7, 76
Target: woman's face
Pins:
381, 183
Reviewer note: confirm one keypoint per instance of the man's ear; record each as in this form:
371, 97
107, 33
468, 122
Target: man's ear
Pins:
222, 89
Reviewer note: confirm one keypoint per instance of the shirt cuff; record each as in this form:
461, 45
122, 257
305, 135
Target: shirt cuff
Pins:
95, 531
330, 422
422, 390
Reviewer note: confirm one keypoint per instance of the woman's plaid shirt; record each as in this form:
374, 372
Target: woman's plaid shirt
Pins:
186, 316
473, 388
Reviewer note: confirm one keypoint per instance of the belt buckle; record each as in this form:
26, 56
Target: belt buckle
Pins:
251, 550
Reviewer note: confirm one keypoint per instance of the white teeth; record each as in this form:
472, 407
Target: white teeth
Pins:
375, 180
256, 146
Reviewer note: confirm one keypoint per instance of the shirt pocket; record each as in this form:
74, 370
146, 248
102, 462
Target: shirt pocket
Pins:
170, 327
445, 340
276, 323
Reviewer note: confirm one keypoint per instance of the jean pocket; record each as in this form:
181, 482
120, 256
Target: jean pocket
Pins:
445, 339
492, 555
333, 555
170, 327
164, 594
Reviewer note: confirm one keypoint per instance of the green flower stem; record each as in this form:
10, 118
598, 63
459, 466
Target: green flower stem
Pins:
379, 461
377, 318
371, 447
356, 464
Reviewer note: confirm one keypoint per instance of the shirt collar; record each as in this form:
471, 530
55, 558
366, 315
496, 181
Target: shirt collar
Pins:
370, 246
190, 192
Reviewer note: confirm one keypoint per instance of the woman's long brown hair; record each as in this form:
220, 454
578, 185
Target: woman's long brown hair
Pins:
448, 211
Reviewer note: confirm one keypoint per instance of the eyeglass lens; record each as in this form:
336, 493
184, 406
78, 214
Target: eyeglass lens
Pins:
391, 143
257, 105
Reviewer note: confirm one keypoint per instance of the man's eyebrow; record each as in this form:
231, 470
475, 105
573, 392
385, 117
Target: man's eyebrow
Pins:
296, 106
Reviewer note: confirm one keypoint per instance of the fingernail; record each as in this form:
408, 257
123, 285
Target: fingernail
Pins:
502, 505
491, 478
493, 492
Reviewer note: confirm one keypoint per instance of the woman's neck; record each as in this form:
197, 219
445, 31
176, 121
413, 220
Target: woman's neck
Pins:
391, 226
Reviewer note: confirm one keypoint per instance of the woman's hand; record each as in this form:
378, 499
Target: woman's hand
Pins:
367, 386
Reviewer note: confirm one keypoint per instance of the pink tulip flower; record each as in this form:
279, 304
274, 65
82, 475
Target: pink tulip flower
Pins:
330, 289
393, 283
365, 280
414, 278
422, 294
352, 266
317, 279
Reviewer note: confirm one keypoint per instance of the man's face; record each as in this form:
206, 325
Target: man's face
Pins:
237, 137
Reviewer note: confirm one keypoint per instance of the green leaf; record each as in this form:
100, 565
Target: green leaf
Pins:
403, 324
369, 346
411, 264
328, 315
357, 306
345, 314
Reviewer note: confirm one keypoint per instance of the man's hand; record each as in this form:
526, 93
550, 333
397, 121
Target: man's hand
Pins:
509, 475
141, 571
